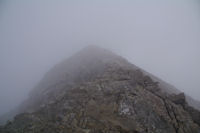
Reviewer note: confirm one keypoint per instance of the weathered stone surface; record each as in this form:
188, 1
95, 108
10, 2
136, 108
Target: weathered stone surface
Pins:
108, 105
178, 99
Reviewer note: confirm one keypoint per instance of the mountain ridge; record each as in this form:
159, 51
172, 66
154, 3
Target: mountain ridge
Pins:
103, 92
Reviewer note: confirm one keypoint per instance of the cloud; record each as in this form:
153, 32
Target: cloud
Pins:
161, 37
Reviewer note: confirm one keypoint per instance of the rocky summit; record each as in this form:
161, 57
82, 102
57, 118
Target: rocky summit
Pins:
96, 91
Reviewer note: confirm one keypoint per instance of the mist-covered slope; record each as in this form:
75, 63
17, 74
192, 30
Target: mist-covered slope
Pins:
97, 91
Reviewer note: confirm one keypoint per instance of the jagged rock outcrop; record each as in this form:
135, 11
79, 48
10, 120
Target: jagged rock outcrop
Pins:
178, 99
110, 96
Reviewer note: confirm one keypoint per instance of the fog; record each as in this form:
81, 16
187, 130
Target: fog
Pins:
162, 37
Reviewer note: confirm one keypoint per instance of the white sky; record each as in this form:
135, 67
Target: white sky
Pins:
162, 37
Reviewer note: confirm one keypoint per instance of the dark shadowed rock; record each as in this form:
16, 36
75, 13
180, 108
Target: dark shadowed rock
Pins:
195, 114
178, 99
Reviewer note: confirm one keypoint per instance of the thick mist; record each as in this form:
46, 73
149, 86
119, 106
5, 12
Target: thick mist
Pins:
162, 37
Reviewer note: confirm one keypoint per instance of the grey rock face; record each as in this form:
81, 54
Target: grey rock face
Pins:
115, 98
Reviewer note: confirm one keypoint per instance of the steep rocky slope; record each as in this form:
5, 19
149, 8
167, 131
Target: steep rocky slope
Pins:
96, 91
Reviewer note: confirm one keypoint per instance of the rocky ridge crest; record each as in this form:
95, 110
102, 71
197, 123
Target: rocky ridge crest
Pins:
103, 93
